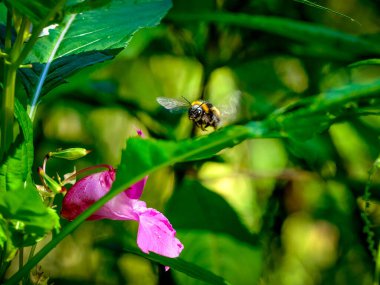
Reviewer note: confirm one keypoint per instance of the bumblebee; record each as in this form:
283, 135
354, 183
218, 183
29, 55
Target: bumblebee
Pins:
201, 112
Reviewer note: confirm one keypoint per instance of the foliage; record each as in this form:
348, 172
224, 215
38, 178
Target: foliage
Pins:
281, 186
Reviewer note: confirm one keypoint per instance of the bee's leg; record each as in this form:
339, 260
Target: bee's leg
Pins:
212, 121
198, 124
201, 125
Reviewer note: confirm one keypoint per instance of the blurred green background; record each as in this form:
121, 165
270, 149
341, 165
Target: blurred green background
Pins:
267, 211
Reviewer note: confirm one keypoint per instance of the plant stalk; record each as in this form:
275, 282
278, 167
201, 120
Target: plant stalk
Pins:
6, 100
7, 108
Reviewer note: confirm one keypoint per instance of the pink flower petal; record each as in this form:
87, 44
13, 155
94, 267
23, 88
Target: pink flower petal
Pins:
86, 192
135, 191
90, 189
156, 234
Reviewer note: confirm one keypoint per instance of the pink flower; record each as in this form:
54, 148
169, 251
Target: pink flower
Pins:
155, 233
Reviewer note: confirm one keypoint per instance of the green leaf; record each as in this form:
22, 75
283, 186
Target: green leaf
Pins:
3, 233
322, 110
372, 61
236, 261
189, 268
61, 69
27, 131
87, 38
6, 245
86, 5
193, 206
303, 32
16, 167
147, 155
108, 27
28, 219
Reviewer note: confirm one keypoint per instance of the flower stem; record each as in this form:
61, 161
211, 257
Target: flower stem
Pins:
85, 170
7, 108
377, 268
32, 250
3, 263
10, 70
21, 261
7, 100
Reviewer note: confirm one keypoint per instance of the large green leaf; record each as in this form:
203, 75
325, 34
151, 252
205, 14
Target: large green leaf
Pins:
86, 38
16, 167
193, 206
108, 27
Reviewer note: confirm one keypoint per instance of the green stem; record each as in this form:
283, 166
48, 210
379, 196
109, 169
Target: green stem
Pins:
6, 120
21, 260
32, 250
3, 263
31, 254
19, 40
8, 32
377, 269
8, 100
7, 107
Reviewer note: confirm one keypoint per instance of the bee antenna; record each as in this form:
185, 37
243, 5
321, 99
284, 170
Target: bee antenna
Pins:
186, 100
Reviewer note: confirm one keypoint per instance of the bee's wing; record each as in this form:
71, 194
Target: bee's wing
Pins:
172, 104
229, 111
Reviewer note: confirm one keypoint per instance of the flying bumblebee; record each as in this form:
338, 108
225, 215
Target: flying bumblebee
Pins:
201, 112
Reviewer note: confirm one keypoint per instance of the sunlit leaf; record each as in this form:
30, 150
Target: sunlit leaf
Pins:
108, 27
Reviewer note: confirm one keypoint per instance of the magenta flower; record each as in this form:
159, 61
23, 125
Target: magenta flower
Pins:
155, 233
